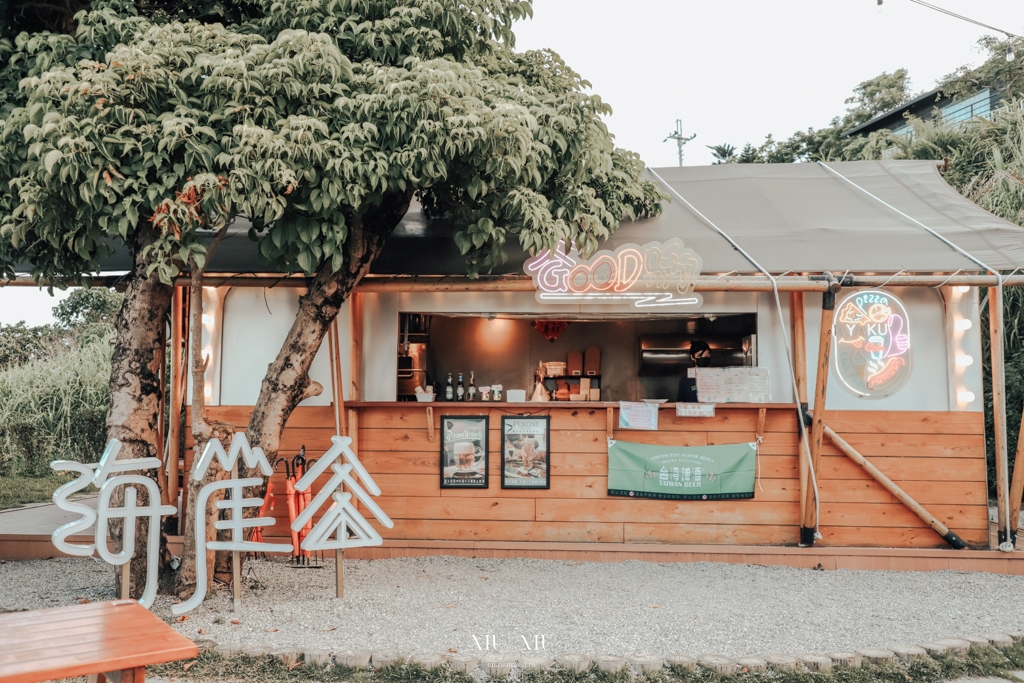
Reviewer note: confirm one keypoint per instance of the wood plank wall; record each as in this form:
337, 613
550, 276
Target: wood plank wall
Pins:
938, 458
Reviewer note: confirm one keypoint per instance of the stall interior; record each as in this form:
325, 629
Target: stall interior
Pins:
625, 359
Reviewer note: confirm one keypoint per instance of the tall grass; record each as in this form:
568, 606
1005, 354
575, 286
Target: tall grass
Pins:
54, 409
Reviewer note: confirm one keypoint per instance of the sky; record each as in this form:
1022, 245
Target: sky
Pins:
737, 70
732, 70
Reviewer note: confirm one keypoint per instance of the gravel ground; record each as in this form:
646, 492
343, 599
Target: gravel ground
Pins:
433, 604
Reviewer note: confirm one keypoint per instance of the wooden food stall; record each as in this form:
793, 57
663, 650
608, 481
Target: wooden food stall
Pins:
849, 293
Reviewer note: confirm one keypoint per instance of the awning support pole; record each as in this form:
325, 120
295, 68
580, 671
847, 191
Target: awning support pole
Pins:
798, 335
355, 371
890, 486
1017, 485
995, 330
174, 417
809, 524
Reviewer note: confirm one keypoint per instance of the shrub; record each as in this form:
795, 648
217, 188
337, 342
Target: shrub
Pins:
54, 409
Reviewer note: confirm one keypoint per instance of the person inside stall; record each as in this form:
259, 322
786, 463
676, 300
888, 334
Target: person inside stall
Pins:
700, 355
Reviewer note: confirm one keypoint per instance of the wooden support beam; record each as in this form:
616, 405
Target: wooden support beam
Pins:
186, 314
454, 283
160, 356
798, 340
339, 406
611, 422
890, 486
995, 329
430, 424
810, 517
1017, 485
355, 370
174, 416
353, 429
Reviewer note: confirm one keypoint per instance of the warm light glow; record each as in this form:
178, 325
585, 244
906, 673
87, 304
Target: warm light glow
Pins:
963, 289
872, 343
655, 274
963, 360
207, 391
963, 324
965, 396
207, 319
209, 290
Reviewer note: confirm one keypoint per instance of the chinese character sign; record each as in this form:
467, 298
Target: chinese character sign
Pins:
872, 344
234, 502
342, 518
109, 474
657, 274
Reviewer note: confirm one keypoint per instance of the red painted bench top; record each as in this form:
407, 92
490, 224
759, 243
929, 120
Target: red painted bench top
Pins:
79, 640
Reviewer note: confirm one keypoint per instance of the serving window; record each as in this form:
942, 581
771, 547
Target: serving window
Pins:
639, 358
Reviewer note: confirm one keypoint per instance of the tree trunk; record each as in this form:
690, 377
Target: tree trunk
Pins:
202, 431
287, 380
135, 368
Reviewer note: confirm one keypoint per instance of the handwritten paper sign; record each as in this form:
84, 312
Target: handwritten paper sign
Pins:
695, 410
635, 415
733, 385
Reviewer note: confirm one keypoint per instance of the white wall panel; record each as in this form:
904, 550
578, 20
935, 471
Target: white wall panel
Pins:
255, 324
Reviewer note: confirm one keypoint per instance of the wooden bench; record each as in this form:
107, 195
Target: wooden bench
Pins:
115, 640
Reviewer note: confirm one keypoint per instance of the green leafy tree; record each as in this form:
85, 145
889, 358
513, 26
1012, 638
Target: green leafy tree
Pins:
319, 121
870, 98
88, 306
1005, 77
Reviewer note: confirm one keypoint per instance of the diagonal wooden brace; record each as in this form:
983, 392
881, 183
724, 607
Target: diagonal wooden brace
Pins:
890, 486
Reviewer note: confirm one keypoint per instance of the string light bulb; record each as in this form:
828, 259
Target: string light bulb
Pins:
965, 396
963, 289
1009, 53
963, 324
963, 360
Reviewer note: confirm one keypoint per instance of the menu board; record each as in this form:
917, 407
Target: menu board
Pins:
733, 385
634, 415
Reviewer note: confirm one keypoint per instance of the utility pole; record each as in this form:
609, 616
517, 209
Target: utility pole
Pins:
680, 139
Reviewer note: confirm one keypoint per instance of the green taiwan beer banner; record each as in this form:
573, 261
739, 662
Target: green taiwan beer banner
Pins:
681, 472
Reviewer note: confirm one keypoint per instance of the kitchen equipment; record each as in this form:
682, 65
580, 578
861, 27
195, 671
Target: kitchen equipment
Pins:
412, 370
592, 361
516, 395
668, 355
574, 364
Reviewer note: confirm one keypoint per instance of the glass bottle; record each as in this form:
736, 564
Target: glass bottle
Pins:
460, 390
471, 391
449, 389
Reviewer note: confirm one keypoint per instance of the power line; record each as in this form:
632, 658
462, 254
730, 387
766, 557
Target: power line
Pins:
961, 17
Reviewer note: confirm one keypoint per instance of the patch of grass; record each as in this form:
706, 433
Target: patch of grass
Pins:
16, 491
980, 662
54, 409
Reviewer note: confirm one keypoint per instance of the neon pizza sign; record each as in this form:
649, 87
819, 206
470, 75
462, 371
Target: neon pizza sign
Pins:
872, 344
653, 275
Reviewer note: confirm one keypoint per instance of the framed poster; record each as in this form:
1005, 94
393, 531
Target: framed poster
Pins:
464, 452
525, 459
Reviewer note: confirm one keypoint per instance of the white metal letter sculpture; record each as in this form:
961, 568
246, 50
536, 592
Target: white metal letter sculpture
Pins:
343, 516
235, 505
129, 511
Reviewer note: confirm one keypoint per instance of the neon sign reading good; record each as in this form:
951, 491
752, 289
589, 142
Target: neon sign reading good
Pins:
872, 344
655, 274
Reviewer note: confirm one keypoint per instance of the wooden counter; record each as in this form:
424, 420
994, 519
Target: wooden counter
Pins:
938, 458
